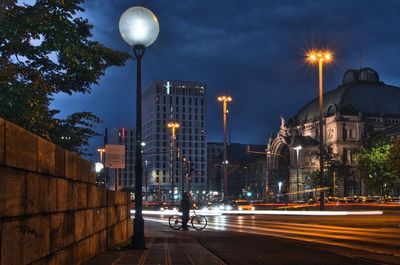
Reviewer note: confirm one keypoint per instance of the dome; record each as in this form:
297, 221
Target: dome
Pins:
361, 92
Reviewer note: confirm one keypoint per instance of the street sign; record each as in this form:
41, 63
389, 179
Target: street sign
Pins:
115, 156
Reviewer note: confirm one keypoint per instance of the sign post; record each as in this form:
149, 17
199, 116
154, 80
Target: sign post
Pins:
115, 158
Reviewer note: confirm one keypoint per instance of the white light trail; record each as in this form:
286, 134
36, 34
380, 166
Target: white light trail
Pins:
265, 212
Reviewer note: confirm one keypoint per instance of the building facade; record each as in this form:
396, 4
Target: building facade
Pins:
246, 170
361, 103
181, 102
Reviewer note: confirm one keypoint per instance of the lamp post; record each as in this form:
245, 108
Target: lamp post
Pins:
173, 126
225, 100
298, 148
321, 57
139, 28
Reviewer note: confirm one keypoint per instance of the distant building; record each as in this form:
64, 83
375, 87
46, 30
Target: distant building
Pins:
182, 102
214, 161
362, 102
247, 174
126, 177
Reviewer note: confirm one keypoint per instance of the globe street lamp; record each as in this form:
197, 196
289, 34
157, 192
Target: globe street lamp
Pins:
225, 100
320, 57
173, 126
139, 28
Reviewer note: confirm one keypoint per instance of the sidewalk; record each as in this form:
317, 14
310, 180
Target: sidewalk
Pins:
163, 246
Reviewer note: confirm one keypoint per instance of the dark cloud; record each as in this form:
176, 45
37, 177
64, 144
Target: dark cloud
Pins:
253, 50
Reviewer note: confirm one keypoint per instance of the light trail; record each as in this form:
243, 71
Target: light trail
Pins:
265, 212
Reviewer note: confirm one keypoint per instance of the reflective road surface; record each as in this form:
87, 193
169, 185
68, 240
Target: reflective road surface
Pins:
373, 233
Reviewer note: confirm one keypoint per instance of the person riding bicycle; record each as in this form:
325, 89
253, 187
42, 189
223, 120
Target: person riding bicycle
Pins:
186, 205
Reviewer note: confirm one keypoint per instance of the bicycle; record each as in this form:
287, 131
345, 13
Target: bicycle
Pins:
198, 221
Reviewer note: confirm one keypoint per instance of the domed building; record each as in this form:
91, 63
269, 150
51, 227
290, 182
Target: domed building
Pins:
361, 101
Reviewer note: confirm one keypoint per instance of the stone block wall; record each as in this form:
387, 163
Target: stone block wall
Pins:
51, 211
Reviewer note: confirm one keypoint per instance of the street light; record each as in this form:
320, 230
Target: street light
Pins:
321, 57
173, 126
225, 100
139, 28
298, 148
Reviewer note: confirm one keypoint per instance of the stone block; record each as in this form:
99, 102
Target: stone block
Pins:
122, 212
110, 237
65, 256
82, 195
84, 168
21, 148
80, 225
120, 197
62, 195
85, 250
52, 194
111, 215
101, 244
92, 175
2, 140
62, 231
120, 232
37, 193
99, 219
43, 261
110, 197
25, 241
102, 197
70, 165
60, 162
12, 192
46, 157
56, 232
69, 227
72, 195
93, 196
130, 228
89, 229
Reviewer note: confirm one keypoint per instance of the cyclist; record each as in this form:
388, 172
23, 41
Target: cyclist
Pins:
186, 204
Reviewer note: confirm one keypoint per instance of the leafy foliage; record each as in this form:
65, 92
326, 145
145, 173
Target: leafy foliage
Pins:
375, 169
45, 48
334, 164
394, 158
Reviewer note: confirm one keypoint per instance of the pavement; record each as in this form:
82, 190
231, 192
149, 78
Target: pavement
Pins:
163, 246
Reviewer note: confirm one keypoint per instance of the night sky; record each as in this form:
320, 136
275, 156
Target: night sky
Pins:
251, 50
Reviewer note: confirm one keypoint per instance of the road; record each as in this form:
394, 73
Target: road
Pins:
375, 237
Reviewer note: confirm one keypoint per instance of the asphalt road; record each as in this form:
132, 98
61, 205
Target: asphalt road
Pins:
301, 239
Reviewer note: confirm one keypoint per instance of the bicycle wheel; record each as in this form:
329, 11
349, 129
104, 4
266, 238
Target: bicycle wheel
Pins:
199, 222
175, 222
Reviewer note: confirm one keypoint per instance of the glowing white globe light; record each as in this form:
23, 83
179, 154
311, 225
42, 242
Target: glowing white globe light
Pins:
139, 26
98, 166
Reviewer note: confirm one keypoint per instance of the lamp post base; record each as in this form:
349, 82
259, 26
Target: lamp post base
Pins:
138, 241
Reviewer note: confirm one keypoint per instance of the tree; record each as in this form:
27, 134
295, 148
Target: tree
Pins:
335, 163
375, 166
394, 161
45, 48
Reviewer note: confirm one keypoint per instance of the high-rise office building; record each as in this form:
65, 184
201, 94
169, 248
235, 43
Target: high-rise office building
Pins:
184, 103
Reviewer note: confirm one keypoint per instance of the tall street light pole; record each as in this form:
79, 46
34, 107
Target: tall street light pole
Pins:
139, 28
173, 126
320, 57
298, 148
225, 100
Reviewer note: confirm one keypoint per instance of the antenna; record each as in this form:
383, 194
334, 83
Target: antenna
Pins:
361, 62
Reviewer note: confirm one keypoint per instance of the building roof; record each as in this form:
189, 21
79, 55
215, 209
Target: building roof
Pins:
360, 92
